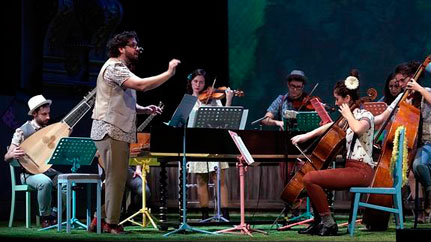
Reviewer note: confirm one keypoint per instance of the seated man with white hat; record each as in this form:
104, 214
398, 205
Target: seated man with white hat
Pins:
39, 109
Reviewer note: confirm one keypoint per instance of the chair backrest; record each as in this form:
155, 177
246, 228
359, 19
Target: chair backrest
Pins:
398, 168
12, 164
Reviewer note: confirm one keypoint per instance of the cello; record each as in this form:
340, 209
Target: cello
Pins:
409, 116
330, 144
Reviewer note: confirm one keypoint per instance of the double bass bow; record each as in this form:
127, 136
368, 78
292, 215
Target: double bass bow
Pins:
409, 116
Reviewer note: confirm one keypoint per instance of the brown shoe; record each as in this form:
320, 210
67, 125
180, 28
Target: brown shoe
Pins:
47, 221
93, 225
113, 228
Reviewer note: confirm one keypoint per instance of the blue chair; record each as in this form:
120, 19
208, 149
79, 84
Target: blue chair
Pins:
395, 190
20, 188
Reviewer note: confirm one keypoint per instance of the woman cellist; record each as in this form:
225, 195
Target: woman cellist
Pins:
359, 166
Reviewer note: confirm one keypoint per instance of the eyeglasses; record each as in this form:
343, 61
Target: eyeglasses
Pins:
134, 46
403, 79
296, 87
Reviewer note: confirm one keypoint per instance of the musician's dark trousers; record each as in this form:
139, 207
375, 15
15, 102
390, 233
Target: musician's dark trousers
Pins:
355, 173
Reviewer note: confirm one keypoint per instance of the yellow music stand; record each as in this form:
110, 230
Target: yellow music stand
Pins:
145, 163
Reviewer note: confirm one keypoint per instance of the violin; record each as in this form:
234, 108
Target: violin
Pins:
304, 104
217, 93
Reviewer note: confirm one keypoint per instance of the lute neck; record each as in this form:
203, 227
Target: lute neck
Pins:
72, 118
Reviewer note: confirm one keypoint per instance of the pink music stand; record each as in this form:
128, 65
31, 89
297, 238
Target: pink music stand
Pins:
243, 160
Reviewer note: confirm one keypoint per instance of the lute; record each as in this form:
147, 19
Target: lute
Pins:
40, 145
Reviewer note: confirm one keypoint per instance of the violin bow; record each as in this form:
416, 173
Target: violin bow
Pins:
212, 88
312, 90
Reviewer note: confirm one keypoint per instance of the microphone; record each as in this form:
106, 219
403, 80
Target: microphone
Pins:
140, 50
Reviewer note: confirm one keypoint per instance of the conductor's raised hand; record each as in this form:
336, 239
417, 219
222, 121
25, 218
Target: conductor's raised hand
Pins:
173, 66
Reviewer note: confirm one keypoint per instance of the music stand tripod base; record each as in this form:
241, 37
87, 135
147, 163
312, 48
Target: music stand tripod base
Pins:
218, 216
184, 227
308, 218
242, 228
144, 210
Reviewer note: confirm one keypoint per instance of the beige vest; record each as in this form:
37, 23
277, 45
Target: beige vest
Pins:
114, 104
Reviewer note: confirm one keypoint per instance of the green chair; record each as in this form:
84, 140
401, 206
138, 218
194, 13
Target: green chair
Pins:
395, 191
20, 188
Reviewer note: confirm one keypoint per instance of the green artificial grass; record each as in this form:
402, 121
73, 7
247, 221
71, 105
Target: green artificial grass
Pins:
134, 233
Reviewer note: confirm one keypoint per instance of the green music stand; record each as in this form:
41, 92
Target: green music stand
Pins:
74, 151
303, 122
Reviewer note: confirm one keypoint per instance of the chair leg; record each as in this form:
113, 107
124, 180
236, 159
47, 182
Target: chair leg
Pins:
399, 206
68, 205
12, 209
27, 209
98, 207
354, 214
59, 206
88, 205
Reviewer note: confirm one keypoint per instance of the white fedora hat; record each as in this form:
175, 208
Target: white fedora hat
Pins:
36, 102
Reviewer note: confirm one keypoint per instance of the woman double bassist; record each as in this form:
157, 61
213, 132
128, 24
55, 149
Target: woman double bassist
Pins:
358, 170
407, 74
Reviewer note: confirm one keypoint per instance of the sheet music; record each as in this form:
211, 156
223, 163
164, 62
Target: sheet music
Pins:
318, 106
242, 148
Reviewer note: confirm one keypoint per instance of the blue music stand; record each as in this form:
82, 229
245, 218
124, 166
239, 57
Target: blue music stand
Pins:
76, 152
179, 119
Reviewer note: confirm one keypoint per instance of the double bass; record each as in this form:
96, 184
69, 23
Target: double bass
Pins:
330, 144
409, 116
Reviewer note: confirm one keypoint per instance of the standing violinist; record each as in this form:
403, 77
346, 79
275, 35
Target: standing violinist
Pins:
358, 170
422, 162
292, 100
196, 83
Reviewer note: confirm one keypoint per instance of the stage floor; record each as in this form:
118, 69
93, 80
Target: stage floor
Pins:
149, 233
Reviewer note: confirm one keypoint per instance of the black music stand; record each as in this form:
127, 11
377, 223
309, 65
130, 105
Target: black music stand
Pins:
305, 121
74, 151
181, 114
179, 119
215, 117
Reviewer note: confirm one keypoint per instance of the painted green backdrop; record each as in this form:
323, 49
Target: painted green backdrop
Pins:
269, 38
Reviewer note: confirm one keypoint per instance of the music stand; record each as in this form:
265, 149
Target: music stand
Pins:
145, 163
375, 108
74, 151
218, 117
243, 160
179, 119
233, 117
303, 121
